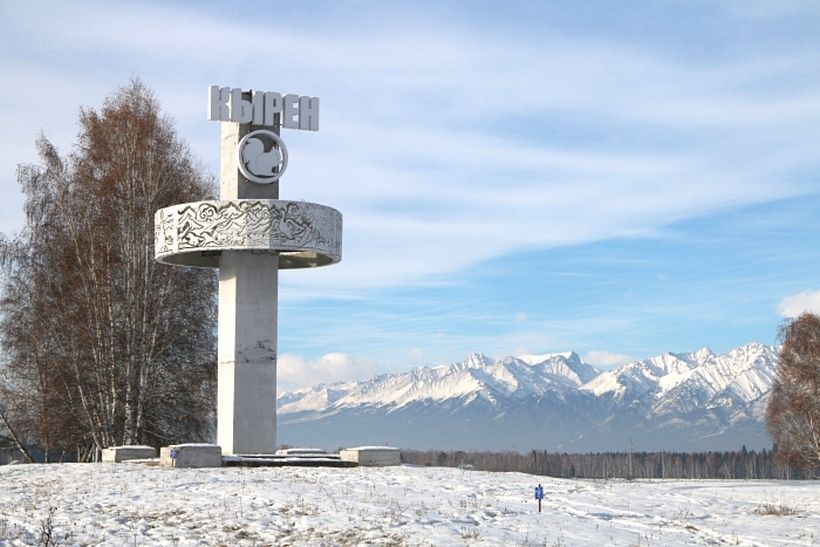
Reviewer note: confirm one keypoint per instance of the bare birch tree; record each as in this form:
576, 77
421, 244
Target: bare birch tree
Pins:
111, 347
793, 412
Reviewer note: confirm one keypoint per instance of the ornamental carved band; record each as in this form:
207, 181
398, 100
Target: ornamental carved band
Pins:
304, 234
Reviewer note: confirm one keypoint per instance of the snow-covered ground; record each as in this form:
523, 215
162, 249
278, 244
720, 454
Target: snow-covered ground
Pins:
134, 504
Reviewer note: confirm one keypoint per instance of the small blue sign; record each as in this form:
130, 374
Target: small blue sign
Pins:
539, 492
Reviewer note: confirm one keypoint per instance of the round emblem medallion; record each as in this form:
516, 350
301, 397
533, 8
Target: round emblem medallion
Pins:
262, 156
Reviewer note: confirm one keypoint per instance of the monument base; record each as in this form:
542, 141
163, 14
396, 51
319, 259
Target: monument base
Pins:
376, 456
191, 455
278, 460
116, 454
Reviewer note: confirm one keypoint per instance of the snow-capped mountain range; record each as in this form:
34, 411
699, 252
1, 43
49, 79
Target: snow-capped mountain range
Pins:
675, 401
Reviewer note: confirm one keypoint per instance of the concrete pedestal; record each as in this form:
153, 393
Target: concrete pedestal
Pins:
116, 454
376, 456
191, 455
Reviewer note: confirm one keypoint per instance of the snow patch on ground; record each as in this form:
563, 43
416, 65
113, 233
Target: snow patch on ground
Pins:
141, 505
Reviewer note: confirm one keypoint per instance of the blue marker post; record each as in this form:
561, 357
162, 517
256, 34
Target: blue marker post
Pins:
539, 495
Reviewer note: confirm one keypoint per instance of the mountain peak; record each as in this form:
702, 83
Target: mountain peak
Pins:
683, 400
696, 357
540, 358
478, 359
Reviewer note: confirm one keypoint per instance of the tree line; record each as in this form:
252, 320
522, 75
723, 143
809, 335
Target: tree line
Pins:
739, 464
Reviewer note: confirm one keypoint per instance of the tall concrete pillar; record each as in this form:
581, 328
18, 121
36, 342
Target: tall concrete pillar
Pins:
246, 409
248, 303
250, 234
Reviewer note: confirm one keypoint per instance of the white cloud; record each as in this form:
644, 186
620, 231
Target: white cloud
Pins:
411, 152
416, 353
795, 304
294, 371
606, 359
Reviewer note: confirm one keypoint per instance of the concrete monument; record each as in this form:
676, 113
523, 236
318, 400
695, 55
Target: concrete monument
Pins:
250, 234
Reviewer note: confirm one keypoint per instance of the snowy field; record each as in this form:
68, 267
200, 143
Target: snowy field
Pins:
133, 504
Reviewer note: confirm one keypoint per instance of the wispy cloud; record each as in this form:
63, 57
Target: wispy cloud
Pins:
411, 153
456, 143
803, 302
295, 371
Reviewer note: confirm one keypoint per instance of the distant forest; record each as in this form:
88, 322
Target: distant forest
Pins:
742, 464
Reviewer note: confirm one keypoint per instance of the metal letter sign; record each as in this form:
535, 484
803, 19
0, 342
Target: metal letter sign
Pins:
262, 155
539, 492
226, 104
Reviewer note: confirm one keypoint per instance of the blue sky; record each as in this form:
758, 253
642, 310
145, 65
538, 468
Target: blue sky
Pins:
615, 178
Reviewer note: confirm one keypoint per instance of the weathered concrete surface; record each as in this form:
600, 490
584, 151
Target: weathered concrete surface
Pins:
306, 235
372, 455
191, 455
248, 300
246, 415
117, 454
